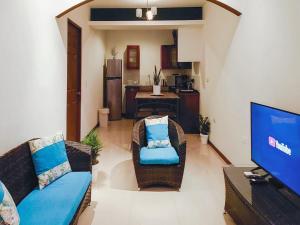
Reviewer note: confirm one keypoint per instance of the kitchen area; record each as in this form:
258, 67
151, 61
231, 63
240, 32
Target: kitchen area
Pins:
185, 110
128, 75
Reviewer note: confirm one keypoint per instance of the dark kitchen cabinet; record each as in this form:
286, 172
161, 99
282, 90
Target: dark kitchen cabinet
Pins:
130, 93
133, 57
189, 111
169, 58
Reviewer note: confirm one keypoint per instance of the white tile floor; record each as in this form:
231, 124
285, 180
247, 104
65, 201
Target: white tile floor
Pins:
117, 201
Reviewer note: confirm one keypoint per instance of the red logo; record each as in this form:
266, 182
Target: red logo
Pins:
272, 142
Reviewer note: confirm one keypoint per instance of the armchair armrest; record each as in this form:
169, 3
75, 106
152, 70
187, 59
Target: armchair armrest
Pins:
79, 156
177, 139
138, 133
138, 140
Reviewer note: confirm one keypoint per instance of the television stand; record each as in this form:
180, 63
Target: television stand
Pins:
255, 169
258, 204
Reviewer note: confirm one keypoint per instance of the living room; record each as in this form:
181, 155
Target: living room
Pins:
247, 56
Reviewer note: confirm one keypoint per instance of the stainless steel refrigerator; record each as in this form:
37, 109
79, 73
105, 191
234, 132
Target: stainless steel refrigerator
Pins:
113, 88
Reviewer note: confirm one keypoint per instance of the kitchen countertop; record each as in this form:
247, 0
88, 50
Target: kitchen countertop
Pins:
149, 95
148, 88
132, 85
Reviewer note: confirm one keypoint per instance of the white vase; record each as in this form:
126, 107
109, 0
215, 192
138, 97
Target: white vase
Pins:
204, 139
156, 89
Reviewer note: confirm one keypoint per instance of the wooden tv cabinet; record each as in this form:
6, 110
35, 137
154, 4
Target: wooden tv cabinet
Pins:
259, 204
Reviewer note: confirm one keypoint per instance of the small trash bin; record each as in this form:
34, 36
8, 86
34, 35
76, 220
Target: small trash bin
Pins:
103, 117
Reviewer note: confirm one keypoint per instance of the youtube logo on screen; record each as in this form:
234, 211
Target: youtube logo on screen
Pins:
280, 146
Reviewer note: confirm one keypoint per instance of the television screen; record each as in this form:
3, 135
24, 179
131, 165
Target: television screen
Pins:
275, 143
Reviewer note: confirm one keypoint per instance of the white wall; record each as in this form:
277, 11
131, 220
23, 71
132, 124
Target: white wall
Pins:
252, 58
32, 71
150, 42
190, 44
93, 52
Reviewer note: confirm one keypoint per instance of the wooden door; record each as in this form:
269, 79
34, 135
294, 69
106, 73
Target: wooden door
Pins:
74, 82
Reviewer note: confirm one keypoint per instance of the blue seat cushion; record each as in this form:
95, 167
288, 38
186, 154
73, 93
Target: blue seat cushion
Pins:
57, 203
158, 156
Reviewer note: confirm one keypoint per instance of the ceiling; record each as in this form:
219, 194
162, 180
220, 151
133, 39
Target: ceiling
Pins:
143, 3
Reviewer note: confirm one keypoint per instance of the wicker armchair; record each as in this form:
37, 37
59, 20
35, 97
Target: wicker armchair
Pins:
149, 175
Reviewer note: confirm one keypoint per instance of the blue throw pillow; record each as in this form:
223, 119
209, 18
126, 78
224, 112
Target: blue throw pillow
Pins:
49, 158
8, 211
157, 132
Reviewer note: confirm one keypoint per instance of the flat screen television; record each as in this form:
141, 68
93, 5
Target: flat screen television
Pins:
275, 143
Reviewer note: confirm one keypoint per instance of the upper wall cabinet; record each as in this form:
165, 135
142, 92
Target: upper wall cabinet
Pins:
190, 44
169, 58
133, 57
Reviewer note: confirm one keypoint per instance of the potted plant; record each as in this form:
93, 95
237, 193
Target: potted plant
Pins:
94, 142
156, 81
204, 129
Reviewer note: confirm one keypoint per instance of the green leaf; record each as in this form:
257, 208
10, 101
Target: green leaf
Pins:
204, 125
93, 141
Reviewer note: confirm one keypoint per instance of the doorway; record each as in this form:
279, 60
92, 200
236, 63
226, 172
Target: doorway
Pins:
73, 82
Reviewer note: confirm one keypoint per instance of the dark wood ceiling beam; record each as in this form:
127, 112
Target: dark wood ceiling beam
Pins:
73, 7
227, 7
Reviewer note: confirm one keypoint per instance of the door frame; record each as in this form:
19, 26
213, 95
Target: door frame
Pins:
78, 132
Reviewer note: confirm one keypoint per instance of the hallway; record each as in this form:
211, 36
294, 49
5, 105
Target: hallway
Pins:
116, 199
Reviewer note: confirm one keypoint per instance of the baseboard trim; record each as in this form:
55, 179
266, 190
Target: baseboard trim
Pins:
226, 160
94, 128
97, 125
